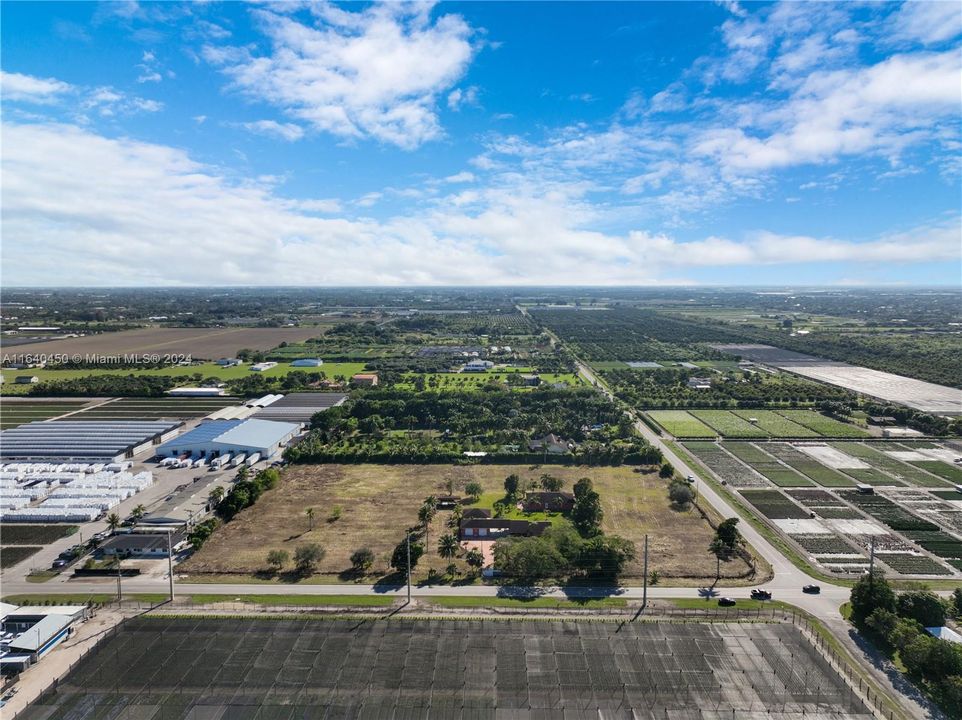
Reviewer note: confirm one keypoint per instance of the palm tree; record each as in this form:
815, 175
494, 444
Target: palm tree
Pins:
448, 546
138, 512
113, 521
310, 517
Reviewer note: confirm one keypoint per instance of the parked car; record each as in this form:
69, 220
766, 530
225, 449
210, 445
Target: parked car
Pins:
759, 594
812, 589
725, 602
58, 563
690, 478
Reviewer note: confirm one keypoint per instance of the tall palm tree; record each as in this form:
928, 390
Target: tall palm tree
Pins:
138, 512
310, 517
425, 516
216, 495
448, 546
113, 521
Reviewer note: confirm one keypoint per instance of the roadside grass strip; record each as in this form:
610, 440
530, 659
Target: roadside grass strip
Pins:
888, 464
728, 424
825, 426
808, 466
943, 470
776, 425
681, 424
909, 564
774, 505
725, 466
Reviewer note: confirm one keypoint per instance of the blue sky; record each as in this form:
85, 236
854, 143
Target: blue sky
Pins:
481, 143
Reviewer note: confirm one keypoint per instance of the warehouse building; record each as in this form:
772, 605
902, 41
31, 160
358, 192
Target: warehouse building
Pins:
89, 441
307, 362
213, 438
30, 632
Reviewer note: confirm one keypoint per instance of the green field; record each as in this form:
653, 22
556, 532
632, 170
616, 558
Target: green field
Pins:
207, 370
681, 424
473, 381
888, 464
823, 425
728, 424
766, 465
776, 425
19, 412
943, 470
809, 466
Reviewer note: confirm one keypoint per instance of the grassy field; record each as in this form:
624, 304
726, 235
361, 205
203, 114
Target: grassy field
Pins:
728, 424
775, 424
823, 425
207, 370
379, 502
681, 424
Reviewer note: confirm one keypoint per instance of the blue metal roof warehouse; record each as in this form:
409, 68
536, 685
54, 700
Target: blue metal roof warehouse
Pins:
217, 437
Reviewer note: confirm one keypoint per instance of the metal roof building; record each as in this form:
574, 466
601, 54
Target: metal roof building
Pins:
83, 440
299, 407
218, 437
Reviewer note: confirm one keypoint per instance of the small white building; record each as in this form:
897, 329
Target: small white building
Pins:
307, 362
26, 379
262, 366
196, 392
228, 362
478, 366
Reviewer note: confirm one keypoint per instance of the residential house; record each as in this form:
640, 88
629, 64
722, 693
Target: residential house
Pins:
364, 379
546, 501
496, 528
550, 443
475, 514
699, 383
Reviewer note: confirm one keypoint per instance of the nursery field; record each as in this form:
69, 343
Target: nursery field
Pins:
681, 424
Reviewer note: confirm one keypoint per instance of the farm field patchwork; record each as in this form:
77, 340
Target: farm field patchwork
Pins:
911, 564
888, 464
767, 465
774, 505
728, 424
17, 412
156, 408
11, 555
724, 465
681, 424
808, 466
886, 511
775, 424
825, 426
943, 470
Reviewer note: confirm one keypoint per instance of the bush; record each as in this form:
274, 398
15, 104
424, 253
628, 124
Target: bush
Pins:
308, 557
362, 559
276, 559
680, 494
922, 606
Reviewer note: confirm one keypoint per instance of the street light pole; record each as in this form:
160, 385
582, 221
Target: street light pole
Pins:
409, 567
170, 564
644, 597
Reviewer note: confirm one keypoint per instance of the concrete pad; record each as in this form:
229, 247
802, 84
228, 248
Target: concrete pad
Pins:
832, 457
856, 527
804, 526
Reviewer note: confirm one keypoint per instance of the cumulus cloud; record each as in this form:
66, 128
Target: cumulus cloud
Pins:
926, 22
27, 88
284, 131
373, 73
107, 208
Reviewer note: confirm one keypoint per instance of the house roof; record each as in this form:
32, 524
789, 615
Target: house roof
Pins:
40, 634
514, 527
475, 513
547, 496
140, 541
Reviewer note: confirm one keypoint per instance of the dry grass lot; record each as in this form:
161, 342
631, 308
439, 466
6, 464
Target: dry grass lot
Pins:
378, 502
201, 343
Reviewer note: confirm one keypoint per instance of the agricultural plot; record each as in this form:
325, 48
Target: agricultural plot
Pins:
775, 424
728, 424
19, 412
824, 426
939, 543
824, 544
34, 534
725, 466
681, 424
824, 504
808, 466
156, 408
286, 669
943, 470
888, 464
766, 465
911, 564
774, 505
886, 511
11, 555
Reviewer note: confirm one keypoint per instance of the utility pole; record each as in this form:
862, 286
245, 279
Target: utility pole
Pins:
409, 567
170, 565
644, 597
120, 594
871, 563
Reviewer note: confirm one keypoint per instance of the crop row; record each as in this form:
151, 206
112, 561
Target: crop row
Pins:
823, 425
809, 466
909, 564
767, 465
824, 544
773, 505
888, 464
724, 465
887, 512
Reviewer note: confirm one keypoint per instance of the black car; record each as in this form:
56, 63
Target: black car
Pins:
812, 589
759, 594
725, 602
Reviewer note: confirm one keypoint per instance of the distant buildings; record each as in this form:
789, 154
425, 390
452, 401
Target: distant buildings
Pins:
699, 383
262, 366
30, 632
239, 438
550, 443
478, 366
229, 362
196, 392
364, 379
26, 379
307, 362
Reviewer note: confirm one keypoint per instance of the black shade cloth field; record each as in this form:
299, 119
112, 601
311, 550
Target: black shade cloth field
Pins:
198, 668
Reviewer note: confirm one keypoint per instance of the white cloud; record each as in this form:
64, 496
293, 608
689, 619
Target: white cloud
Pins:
27, 88
927, 22
107, 208
110, 102
284, 131
459, 98
149, 76
461, 177
374, 73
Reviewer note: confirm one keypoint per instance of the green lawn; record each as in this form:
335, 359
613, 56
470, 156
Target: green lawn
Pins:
776, 425
487, 501
681, 424
728, 424
823, 425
